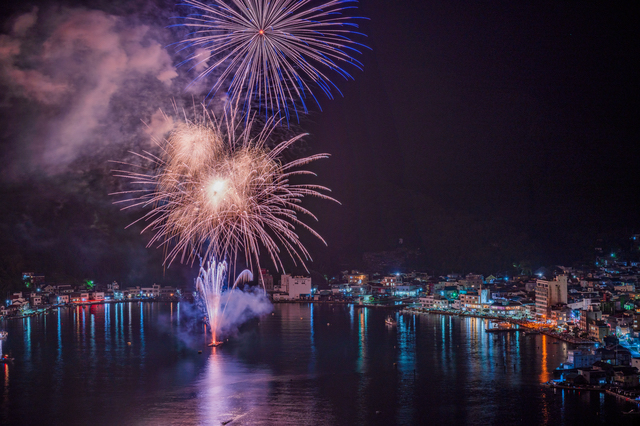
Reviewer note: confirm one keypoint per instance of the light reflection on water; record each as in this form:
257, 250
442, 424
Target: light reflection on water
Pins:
306, 364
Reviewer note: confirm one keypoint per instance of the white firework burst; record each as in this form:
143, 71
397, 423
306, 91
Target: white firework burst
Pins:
215, 191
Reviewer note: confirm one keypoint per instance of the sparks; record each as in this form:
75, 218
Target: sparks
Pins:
216, 192
272, 53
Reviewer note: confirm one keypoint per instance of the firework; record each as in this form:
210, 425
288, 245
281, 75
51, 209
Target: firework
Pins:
272, 52
216, 191
209, 285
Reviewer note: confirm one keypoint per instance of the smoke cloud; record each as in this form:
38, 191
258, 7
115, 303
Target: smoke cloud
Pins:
240, 307
83, 80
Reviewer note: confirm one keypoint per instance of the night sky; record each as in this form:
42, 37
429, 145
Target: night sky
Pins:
480, 133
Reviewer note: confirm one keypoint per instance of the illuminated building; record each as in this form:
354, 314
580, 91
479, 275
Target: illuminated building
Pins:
548, 294
78, 297
472, 281
295, 286
356, 278
390, 281
96, 295
599, 330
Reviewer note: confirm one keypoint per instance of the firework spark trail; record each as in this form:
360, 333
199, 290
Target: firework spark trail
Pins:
216, 191
272, 49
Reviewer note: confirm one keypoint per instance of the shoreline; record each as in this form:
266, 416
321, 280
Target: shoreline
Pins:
49, 309
523, 324
590, 389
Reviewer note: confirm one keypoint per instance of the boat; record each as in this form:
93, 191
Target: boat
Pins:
390, 321
631, 412
5, 359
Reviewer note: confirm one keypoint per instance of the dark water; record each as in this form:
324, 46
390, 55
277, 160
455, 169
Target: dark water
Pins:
306, 364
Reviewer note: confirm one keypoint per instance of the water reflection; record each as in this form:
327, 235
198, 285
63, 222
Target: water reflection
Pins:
306, 364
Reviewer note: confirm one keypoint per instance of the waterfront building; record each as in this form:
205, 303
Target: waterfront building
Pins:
580, 358
625, 377
96, 295
296, 286
509, 308
35, 300
594, 376
78, 297
427, 301
470, 301
168, 291
267, 279
441, 304
150, 292
434, 302
548, 294
60, 299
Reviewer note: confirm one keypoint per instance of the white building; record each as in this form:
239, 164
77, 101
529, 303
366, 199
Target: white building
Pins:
470, 301
295, 286
550, 293
406, 290
426, 301
96, 295
153, 291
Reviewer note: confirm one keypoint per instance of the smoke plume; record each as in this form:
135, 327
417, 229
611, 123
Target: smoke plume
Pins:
240, 307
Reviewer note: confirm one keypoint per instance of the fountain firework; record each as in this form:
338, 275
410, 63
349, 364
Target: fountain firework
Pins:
210, 285
214, 192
